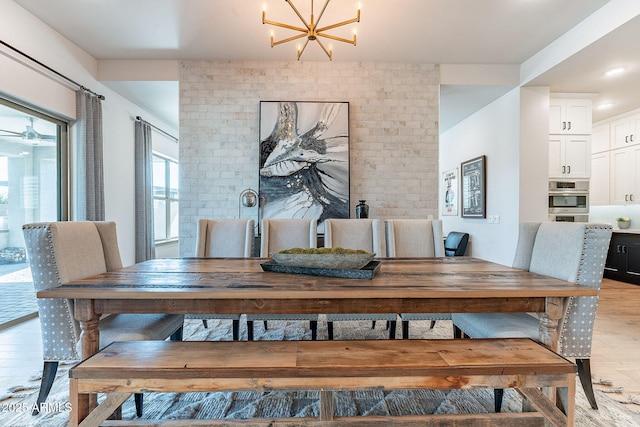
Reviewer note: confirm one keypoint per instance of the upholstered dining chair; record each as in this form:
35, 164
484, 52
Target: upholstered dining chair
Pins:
568, 251
366, 234
455, 244
415, 238
276, 235
224, 238
61, 252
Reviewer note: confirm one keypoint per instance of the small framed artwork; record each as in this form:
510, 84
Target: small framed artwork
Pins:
474, 198
450, 200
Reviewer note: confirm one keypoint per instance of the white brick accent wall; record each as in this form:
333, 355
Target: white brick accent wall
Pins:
393, 113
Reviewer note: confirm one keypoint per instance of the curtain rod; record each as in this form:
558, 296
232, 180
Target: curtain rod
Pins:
138, 118
51, 69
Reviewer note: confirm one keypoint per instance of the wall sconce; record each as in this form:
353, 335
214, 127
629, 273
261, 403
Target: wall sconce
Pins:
248, 198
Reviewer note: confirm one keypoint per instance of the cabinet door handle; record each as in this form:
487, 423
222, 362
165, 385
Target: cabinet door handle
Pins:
564, 125
624, 249
626, 138
569, 169
569, 128
631, 137
564, 169
626, 197
631, 197
619, 249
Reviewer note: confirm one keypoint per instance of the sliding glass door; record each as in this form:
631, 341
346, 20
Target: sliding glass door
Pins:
32, 188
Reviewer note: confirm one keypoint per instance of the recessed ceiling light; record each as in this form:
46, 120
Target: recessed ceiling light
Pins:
605, 106
614, 71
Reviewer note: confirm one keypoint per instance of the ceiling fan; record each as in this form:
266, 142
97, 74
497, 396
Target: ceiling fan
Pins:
30, 134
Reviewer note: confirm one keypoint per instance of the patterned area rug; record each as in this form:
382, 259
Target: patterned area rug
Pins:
18, 404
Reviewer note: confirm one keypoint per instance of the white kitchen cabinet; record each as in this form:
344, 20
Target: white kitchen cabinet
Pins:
600, 137
625, 132
599, 183
569, 156
570, 116
624, 176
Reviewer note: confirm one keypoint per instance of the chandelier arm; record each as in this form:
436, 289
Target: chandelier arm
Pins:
303, 48
340, 39
287, 26
298, 13
299, 36
322, 12
328, 52
339, 24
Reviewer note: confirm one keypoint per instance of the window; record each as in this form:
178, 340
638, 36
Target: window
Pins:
165, 198
33, 174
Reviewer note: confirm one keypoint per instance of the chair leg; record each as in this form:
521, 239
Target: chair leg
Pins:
249, 330
405, 329
177, 335
236, 329
330, 330
584, 373
204, 322
497, 396
432, 325
49, 370
265, 324
457, 332
313, 324
391, 325
138, 398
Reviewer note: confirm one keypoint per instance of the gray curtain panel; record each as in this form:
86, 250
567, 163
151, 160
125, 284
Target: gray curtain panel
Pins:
89, 200
145, 246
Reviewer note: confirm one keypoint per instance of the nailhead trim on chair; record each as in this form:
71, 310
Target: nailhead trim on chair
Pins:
570, 344
49, 315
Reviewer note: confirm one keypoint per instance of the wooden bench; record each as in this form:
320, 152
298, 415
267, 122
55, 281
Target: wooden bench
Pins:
128, 367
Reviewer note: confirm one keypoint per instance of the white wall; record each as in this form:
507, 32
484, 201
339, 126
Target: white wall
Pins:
493, 132
512, 133
19, 80
534, 154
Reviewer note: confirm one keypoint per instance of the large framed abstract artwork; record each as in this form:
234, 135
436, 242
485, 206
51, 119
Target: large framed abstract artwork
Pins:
304, 160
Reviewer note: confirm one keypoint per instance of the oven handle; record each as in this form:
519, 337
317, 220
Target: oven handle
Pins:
568, 193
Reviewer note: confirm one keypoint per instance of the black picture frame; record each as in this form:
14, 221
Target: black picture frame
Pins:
474, 185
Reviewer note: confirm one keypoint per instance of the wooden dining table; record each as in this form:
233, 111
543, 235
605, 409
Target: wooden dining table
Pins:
233, 286
236, 286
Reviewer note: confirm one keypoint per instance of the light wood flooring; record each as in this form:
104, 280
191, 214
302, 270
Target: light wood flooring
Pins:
615, 356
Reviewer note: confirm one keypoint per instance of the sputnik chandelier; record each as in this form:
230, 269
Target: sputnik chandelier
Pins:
311, 30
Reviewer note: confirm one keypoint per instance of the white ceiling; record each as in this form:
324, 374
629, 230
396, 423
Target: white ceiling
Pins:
418, 31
